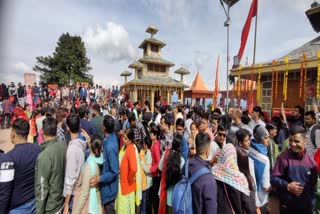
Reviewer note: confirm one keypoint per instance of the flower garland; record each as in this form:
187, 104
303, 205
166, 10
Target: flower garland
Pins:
285, 79
272, 85
305, 59
301, 79
239, 82
250, 106
259, 84
274, 81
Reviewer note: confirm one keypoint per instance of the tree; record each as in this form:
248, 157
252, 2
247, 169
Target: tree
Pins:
67, 63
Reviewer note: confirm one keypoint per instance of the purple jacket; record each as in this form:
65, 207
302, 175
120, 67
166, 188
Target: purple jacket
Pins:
204, 189
290, 167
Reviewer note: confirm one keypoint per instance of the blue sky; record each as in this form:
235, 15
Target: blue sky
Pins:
113, 29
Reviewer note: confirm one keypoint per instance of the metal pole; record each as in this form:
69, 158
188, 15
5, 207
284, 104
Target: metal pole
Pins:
255, 38
227, 24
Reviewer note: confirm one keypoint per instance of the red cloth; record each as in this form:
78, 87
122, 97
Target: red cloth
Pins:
317, 159
245, 31
216, 88
155, 154
19, 113
163, 189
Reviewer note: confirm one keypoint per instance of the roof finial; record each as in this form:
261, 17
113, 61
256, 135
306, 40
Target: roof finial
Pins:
152, 30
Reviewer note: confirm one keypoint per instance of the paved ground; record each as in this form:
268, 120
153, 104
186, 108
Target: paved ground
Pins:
5, 143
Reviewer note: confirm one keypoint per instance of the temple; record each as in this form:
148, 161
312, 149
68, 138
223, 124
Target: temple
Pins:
152, 79
293, 79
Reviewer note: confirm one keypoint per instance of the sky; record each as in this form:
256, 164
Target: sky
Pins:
112, 30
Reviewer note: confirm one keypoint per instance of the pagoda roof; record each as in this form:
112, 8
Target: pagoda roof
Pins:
310, 48
157, 80
156, 60
125, 73
152, 41
136, 64
198, 84
182, 71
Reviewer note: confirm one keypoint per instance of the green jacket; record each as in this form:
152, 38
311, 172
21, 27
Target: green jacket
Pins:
50, 169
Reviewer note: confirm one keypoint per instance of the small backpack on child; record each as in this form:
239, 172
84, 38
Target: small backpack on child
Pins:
182, 194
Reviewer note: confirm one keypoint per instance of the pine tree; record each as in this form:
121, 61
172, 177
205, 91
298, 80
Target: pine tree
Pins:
68, 63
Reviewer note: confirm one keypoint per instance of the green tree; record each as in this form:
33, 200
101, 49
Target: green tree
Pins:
69, 62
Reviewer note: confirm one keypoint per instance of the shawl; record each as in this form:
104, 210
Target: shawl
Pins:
259, 164
227, 171
163, 190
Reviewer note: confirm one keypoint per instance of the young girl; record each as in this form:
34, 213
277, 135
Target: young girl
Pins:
155, 156
87, 199
145, 161
33, 128
125, 201
192, 139
170, 164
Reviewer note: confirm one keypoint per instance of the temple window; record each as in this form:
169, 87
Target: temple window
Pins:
154, 48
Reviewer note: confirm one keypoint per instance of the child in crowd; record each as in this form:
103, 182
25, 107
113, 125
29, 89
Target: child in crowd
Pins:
88, 199
146, 161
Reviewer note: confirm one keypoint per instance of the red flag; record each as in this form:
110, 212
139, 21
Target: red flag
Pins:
245, 31
216, 87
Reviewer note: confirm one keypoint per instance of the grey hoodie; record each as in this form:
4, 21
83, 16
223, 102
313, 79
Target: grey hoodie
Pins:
75, 160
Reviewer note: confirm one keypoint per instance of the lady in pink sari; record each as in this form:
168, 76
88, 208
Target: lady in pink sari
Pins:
29, 95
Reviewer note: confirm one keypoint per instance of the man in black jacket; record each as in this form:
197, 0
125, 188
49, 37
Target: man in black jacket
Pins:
21, 95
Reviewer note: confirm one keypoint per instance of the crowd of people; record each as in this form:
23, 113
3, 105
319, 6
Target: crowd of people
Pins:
90, 150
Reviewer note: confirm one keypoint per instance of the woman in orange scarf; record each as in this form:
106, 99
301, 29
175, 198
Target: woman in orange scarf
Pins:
125, 201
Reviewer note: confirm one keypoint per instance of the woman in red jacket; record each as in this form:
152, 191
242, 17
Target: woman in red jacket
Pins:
156, 156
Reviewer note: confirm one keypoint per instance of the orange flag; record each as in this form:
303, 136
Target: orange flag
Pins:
216, 87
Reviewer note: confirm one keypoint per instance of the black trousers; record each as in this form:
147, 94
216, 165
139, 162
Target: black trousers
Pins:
154, 193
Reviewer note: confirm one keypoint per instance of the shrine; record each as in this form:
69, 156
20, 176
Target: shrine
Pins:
152, 80
198, 91
293, 79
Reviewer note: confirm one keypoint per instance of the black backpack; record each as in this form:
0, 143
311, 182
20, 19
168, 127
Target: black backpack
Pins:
313, 135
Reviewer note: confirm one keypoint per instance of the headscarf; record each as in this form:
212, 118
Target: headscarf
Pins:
227, 171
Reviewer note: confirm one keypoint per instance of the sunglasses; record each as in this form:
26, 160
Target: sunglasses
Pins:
222, 135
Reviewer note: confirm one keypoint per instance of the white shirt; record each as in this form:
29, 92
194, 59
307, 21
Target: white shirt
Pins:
253, 123
214, 149
157, 120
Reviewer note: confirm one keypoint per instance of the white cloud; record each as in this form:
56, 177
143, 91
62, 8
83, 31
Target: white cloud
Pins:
22, 67
111, 42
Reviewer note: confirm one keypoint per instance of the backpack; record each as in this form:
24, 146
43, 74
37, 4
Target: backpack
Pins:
182, 195
313, 135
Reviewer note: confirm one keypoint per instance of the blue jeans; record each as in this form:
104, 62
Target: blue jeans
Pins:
35, 100
27, 208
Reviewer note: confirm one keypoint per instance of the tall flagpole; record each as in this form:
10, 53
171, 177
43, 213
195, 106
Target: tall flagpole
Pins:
254, 53
255, 36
